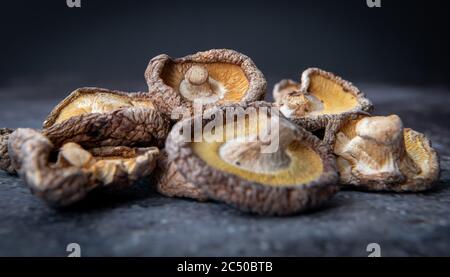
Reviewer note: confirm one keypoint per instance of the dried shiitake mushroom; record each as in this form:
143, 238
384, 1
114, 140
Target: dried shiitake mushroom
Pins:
5, 161
94, 117
64, 176
377, 153
213, 77
102, 138
299, 174
171, 183
321, 100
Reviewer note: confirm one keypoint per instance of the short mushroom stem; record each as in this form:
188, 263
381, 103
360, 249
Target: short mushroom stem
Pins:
196, 83
378, 149
197, 75
250, 155
299, 104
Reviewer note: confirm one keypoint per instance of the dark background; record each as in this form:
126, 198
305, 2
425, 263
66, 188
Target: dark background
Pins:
109, 43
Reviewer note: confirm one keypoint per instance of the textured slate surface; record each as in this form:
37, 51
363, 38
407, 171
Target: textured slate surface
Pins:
139, 222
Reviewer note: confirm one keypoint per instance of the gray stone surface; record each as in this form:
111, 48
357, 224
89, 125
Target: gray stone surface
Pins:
139, 222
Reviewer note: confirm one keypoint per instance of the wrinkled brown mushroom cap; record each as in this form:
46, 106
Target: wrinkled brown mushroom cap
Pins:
171, 183
215, 77
321, 100
5, 161
306, 181
76, 171
377, 153
96, 117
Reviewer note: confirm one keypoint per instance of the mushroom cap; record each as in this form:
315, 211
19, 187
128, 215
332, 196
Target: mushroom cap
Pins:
170, 183
401, 150
76, 171
336, 98
308, 180
96, 117
5, 161
233, 74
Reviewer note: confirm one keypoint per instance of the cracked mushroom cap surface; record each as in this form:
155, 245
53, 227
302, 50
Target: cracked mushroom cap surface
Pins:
5, 161
319, 99
378, 153
64, 176
171, 183
96, 117
211, 78
239, 165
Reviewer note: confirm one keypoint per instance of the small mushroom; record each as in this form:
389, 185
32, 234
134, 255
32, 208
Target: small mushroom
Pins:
64, 176
321, 100
377, 153
299, 174
210, 78
94, 117
5, 161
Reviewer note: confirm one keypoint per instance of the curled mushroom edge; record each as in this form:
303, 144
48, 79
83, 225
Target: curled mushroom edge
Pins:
64, 176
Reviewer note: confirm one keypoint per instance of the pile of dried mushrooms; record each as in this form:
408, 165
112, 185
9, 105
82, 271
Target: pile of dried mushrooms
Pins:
98, 138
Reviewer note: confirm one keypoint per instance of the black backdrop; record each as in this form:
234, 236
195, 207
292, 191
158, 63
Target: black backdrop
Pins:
108, 43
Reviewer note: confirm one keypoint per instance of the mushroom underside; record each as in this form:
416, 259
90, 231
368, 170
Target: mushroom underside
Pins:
334, 97
99, 102
95, 117
377, 153
64, 176
227, 81
298, 175
298, 164
320, 96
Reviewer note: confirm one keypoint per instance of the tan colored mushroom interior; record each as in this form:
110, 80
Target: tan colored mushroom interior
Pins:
227, 80
293, 163
334, 97
99, 102
378, 147
324, 96
419, 151
102, 162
